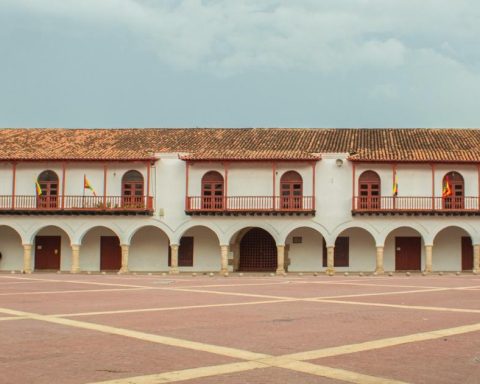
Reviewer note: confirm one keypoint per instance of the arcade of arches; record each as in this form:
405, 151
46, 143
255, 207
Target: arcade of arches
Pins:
251, 249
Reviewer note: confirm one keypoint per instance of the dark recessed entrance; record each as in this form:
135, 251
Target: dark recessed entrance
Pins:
467, 253
258, 251
408, 253
110, 253
47, 252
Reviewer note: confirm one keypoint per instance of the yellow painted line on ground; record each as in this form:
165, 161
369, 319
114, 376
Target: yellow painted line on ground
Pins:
188, 374
402, 306
380, 293
13, 318
232, 293
72, 291
159, 309
165, 340
384, 343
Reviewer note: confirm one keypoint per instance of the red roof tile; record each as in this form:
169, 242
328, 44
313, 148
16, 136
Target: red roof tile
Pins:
241, 144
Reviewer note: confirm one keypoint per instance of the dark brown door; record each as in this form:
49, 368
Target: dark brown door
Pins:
467, 254
369, 190
212, 191
258, 251
291, 190
110, 253
408, 253
47, 252
340, 254
185, 253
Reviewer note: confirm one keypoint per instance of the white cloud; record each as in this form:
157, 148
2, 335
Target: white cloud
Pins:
225, 36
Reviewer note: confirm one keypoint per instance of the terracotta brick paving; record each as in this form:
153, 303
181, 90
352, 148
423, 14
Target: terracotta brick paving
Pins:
44, 350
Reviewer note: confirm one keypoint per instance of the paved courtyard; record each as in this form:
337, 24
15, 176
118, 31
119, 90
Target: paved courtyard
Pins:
62, 328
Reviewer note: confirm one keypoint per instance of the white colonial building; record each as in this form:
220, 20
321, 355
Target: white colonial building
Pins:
274, 200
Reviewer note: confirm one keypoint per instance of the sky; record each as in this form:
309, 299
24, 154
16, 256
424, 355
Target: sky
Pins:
239, 63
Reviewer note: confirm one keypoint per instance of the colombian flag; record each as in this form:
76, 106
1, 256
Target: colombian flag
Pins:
447, 188
87, 185
38, 188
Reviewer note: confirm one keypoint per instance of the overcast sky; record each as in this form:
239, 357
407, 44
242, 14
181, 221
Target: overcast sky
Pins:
239, 63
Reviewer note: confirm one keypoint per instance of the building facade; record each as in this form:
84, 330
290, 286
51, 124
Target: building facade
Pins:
270, 200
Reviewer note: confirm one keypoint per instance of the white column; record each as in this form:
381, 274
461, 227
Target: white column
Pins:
379, 268
174, 259
75, 258
428, 258
330, 259
280, 259
125, 249
224, 258
476, 258
27, 258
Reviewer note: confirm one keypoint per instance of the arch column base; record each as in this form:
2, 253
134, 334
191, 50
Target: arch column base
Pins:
280, 259
27, 258
330, 261
125, 251
428, 259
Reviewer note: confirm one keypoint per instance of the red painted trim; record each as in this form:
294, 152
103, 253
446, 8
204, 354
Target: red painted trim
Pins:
225, 188
274, 170
213, 160
148, 181
77, 160
313, 183
105, 167
433, 185
14, 183
63, 184
187, 202
394, 174
414, 161
353, 185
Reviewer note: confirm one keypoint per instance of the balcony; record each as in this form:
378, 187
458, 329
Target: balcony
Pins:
242, 205
109, 205
412, 205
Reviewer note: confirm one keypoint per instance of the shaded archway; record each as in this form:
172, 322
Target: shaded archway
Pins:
149, 249
258, 251
453, 191
132, 190
303, 250
291, 190
369, 190
100, 250
52, 249
452, 250
47, 190
404, 250
212, 191
199, 249
355, 250
11, 250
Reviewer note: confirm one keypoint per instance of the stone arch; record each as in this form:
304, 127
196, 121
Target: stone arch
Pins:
234, 230
182, 229
464, 226
311, 225
162, 227
78, 239
66, 229
20, 232
377, 236
355, 247
423, 232
10, 248
304, 247
148, 248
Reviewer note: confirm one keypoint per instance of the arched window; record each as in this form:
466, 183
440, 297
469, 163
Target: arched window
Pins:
132, 190
453, 188
48, 197
291, 190
369, 190
212, 191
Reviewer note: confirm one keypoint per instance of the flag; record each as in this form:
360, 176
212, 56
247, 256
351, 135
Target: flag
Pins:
87, 185
447, 188
38, 188
395, 185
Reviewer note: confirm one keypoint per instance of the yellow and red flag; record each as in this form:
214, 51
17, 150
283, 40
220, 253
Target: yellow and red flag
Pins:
38, 188
447, 188
87, 185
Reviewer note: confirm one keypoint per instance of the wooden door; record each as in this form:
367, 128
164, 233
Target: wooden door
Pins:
467, 253
49, 197
291, 191
369, 190
110, 253
185, 253
408, 253
340, 253
48, 252
258, 251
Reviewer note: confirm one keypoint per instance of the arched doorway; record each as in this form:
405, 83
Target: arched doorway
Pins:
404, 250
453, 188
258, 251
212, 190
291, 190
132, 190
452, 250
47, 190
369, 190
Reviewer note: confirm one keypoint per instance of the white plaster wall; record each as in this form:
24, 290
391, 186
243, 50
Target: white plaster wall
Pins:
11, 250
306, 256
149, 251
6, 176
362, 251
389, 248
90, 248
447, 250
206, 250
65, 247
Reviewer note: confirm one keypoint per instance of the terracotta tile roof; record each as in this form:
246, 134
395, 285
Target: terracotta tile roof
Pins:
241, 144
